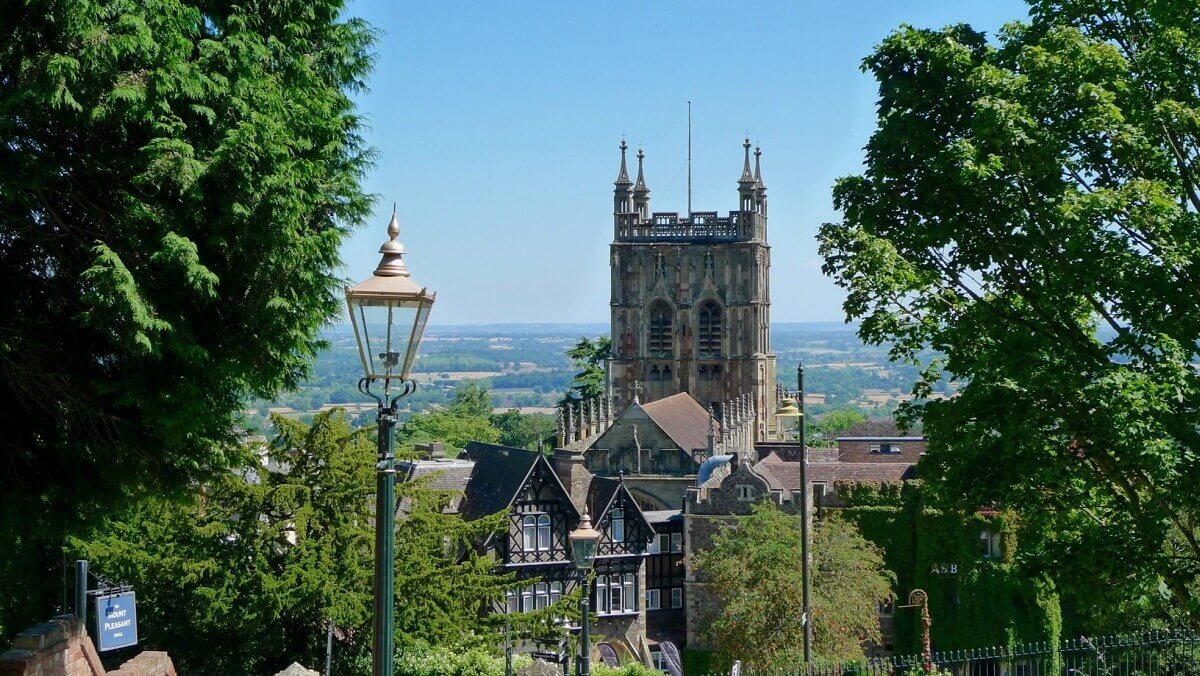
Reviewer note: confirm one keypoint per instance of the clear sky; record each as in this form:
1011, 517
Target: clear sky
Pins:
497, 125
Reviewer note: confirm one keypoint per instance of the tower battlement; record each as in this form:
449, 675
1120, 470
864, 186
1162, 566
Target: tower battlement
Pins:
700, 227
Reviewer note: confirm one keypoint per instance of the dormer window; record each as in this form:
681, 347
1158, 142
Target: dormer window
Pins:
535, 533
617, 528
744, 493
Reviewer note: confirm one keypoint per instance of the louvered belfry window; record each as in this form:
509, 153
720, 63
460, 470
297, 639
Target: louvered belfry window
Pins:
709, 331
659, 343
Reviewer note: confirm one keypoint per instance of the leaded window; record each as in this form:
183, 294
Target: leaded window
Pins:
708, 332
659, 342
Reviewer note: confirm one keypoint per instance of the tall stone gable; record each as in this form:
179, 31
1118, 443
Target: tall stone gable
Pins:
691, 299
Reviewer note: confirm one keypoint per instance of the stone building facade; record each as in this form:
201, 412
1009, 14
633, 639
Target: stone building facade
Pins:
691, 298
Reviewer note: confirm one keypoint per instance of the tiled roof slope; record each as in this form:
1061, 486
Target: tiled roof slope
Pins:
682, 418
443, 475
788, 473
499, 473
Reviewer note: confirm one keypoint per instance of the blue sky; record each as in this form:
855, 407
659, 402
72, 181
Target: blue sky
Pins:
497, 127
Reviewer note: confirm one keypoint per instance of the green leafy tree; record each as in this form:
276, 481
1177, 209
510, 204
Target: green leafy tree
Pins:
467, 418
245, 576
175, 179
1030, 209
523, 430
827, 427
751, 573
590, 355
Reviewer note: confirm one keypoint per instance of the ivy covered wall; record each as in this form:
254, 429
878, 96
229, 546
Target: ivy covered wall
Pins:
974, 601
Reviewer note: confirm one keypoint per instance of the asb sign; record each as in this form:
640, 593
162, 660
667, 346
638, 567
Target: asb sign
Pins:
116, 621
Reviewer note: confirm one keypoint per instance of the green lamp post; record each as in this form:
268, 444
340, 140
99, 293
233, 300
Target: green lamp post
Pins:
583, 551
389, 312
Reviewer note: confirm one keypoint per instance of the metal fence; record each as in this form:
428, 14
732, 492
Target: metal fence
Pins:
1154, 653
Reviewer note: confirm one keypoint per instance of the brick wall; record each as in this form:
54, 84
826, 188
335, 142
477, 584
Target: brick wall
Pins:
61, 647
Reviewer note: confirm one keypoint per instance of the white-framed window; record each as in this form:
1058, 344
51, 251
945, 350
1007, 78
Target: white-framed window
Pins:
616, 594
535, 533
653, 599
676, 543
676, 597
617, 527
544, 532
536, 596
660, 661
875, 448
819, 488
743, 492
989, 544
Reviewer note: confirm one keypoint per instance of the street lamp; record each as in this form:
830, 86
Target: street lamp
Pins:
806, 564
785, 410
583, 551
388, 312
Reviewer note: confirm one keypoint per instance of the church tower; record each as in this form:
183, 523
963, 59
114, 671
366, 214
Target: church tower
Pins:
691, 301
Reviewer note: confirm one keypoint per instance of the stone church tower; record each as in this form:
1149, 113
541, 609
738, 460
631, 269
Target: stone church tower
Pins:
691, 301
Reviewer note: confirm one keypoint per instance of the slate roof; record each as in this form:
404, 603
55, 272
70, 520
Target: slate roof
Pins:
885, 428
787, 474
659, 516
683, 419
599, 496
443, 475
499, 473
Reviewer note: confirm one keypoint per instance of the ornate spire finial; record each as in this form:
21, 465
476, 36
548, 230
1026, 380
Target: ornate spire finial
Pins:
747, 177
623, 174
637, 387
641, 180
758, 166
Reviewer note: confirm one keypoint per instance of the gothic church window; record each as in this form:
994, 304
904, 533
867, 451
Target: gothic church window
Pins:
709, 331
661, 329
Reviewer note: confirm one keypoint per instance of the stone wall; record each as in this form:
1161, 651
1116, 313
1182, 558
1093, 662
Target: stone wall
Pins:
61, 647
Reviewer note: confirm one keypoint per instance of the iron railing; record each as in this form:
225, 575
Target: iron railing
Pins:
1152, 653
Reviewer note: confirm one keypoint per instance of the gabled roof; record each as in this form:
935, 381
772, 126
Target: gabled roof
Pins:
600, 496
682, 418
884, 428
499, 474
443, 475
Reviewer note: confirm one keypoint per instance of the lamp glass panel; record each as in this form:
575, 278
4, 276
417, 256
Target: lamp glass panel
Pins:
585, 552
388, 332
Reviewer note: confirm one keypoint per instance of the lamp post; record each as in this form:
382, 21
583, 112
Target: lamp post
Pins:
388, 312
806, 565
583, 552
918, 598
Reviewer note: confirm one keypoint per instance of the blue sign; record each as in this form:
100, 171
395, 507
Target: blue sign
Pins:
116, 621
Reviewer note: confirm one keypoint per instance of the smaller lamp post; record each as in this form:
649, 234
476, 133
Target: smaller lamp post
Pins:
389, 312
583, 551
783, 412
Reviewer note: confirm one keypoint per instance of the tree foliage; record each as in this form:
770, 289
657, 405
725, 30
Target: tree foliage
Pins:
467, 418
590, 355
523, 430
752, 573
245, 576
1030, 209
175, 179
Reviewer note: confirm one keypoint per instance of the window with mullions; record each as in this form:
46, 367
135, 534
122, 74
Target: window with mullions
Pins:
708, 333
616, 594
534, 597
617, 528
659, 341
535, 533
